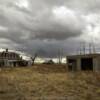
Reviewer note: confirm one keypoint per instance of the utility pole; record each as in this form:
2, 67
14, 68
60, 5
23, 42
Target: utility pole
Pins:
94, 51
93, 45
60, 55
80, 50
84, 48
90, 45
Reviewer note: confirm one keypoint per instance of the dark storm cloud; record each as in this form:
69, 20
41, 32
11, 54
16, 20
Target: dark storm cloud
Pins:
28, 23
42, 24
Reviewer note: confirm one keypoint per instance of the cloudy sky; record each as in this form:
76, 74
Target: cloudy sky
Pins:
47, 26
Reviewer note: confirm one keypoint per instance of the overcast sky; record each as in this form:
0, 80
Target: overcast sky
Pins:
45, 26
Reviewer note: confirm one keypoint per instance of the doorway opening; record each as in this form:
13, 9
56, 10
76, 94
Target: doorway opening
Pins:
87, 64
72, 65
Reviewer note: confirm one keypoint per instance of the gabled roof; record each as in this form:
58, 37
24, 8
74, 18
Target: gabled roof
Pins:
9, 55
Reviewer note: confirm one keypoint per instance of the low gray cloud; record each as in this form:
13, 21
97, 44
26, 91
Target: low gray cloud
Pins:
26, 24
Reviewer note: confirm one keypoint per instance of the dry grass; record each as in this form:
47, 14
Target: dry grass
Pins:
42, 82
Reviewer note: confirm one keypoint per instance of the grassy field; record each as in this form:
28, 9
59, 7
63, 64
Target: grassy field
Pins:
42, 82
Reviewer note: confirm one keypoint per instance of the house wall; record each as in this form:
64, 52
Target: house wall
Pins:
98, 64
78, 64
72, 64
95, 64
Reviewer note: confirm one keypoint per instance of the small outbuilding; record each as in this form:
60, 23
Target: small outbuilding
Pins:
49, 62
86, 62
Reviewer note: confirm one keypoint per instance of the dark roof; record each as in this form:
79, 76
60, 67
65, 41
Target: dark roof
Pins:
9, 55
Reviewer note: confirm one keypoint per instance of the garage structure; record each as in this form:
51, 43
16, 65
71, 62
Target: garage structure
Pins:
86, 62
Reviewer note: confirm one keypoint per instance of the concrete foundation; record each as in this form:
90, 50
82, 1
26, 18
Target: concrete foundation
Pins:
85, 62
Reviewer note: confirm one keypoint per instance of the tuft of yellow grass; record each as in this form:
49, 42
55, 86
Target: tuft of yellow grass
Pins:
48, 82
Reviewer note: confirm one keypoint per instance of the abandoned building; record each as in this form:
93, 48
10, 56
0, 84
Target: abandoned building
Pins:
87, 62
12, 59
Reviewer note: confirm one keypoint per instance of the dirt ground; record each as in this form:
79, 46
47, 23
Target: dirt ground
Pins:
48, 82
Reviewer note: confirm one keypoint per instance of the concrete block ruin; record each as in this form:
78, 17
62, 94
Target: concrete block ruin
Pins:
86, 62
